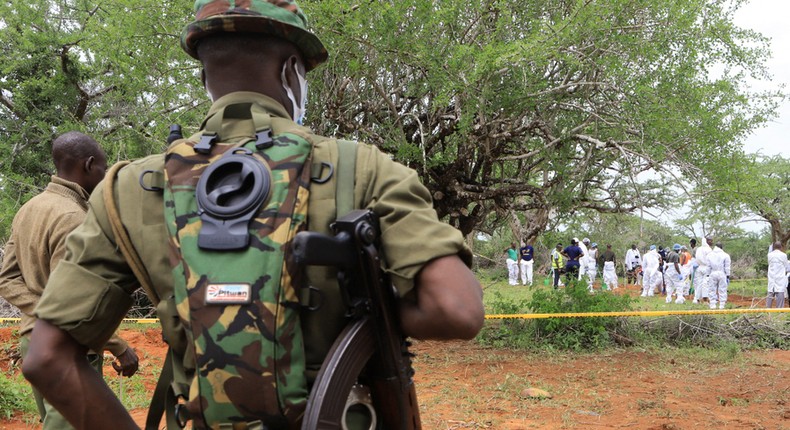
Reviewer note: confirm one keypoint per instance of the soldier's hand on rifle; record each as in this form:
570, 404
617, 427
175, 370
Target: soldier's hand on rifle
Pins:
126, 363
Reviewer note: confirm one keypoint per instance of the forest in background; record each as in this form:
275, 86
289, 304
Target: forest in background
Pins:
536, 118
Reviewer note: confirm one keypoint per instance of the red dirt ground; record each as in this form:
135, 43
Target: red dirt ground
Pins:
462, 385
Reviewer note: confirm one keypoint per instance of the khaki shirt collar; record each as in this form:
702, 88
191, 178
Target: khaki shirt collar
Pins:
269, 104
70, 190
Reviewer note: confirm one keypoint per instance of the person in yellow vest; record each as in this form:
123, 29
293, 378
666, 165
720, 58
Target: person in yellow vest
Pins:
557, 264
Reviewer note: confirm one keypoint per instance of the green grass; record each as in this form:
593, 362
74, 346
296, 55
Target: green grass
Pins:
16, 397
493, 285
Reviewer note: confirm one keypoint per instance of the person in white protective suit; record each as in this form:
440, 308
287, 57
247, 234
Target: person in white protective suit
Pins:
632, 261
702, 270
591, 263
608, 261
778, 267
719, 278
652, 276
674, 277
584, 245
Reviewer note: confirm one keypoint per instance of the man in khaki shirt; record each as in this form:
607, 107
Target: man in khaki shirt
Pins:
37, 244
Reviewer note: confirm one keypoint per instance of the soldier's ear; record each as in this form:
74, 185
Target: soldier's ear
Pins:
88, 165
293, 73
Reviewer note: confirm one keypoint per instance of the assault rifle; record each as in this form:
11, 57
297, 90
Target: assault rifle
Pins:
371, 350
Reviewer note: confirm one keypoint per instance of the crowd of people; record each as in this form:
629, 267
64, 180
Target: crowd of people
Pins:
699, 273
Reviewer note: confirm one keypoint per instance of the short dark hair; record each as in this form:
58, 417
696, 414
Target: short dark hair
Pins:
72, 148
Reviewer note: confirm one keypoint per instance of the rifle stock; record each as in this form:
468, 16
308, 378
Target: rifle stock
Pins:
371, 349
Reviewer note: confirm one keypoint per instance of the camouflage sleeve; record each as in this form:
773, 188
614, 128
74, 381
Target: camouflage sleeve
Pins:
412, 234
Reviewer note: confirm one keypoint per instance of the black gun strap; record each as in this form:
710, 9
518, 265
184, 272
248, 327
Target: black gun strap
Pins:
159, 400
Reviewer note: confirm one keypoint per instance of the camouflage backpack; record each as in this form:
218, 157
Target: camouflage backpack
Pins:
232, 208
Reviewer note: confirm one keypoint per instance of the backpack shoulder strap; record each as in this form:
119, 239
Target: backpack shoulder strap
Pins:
346, 173
122, 239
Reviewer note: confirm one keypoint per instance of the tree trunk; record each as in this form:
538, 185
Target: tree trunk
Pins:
536, 220
779, 234
515, 226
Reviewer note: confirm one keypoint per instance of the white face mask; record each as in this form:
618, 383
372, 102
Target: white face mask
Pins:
299, 109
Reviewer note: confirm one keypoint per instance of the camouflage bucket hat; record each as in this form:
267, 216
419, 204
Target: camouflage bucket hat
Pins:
282, 18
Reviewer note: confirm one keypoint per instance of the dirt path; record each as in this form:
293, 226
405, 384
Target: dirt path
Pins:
461, 385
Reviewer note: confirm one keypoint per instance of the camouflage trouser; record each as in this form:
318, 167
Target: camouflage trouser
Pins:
631, 276
49, 416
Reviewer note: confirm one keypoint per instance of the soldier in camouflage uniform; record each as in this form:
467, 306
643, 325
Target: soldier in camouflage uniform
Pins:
255, 53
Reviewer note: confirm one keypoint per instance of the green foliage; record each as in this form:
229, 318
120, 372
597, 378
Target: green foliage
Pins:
113, 70
508, 333
507, 306
557, 333
15, 396
757, 186
576, 333
542, 108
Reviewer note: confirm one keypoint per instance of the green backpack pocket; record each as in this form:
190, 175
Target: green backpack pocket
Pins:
232, 209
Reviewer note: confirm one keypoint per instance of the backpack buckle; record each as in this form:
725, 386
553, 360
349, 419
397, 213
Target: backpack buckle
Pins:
263, 139
206, 140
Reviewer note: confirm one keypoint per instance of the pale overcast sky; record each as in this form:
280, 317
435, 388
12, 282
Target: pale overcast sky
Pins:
770, 17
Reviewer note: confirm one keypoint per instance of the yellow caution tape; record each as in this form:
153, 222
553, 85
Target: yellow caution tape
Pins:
141, 320
560, 315
638, 313
126, 320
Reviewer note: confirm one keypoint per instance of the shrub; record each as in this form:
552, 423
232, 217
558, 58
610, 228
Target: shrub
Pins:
754, 331
560, 333
576, 333
507, 333
15, 396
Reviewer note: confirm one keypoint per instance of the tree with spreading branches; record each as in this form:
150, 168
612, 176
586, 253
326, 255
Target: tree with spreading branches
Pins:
512, 111
111, 69
526, 112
